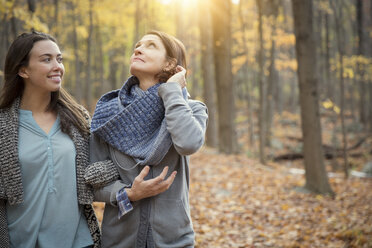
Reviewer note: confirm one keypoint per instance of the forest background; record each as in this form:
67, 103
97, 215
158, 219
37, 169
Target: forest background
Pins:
288, 85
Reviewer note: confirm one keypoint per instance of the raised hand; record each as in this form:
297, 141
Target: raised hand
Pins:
179, 76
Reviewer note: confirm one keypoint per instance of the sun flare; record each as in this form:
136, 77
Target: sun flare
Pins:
184, 3
165, 2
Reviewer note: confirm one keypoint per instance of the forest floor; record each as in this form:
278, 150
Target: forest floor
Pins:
238, 202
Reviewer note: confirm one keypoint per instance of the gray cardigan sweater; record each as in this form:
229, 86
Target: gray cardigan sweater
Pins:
163, 220
11, 188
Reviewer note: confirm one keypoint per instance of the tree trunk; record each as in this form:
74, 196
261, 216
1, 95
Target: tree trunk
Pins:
195, 91
370, 107
208, 72
278, 92
137, 22
329, 88
318, 36
88, 81
4, 44
152, 16
270, 89
361, 51
113, 68
261, 114
13, 25
75, 41
316, 176
221, 17
337, 10
100, 59
179, 20
370, 57
55, 21
246, 77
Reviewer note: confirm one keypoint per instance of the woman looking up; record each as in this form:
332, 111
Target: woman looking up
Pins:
149, 121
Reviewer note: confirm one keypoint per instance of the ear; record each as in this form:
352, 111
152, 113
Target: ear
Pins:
23, 72
171, 64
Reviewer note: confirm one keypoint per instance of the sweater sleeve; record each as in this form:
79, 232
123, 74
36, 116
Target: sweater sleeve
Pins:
102, 174
186, 119
4, 234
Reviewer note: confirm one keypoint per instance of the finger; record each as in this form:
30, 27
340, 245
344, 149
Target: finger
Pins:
164, 185
170, 179
163, 173
144, 172
157, 180
180, 69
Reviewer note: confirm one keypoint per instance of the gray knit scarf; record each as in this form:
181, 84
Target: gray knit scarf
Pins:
132, 121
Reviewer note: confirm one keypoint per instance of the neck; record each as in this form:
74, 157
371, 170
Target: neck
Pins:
35, 102
145, 83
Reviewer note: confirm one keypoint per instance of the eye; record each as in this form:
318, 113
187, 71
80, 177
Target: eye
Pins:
46, 59
152, 44
59, 59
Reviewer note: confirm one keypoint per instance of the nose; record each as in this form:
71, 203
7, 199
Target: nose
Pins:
57, 65
138, 50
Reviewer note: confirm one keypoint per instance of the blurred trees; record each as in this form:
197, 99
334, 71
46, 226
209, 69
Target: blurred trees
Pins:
228, 61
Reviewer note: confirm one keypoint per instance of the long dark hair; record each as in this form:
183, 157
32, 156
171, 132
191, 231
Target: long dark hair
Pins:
18, 56
175, 51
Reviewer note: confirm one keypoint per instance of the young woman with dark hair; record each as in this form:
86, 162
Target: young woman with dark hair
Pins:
44, 201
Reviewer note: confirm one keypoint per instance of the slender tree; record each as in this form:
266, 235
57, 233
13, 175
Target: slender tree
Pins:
316, 176
337, 9
244, 28
361, 52
262, 108
100, 61
137, 20
88, 82
55, 18
271, 80
221, 17
75, 42
207, 71
327, 59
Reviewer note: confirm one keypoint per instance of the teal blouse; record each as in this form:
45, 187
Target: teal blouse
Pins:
50, 215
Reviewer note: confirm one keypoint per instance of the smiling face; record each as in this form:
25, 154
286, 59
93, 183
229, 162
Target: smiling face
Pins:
149, 57
44, 71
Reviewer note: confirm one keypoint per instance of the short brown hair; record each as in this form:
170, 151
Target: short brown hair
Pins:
175, 50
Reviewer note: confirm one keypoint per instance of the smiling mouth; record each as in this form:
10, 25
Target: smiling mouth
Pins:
56, 78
